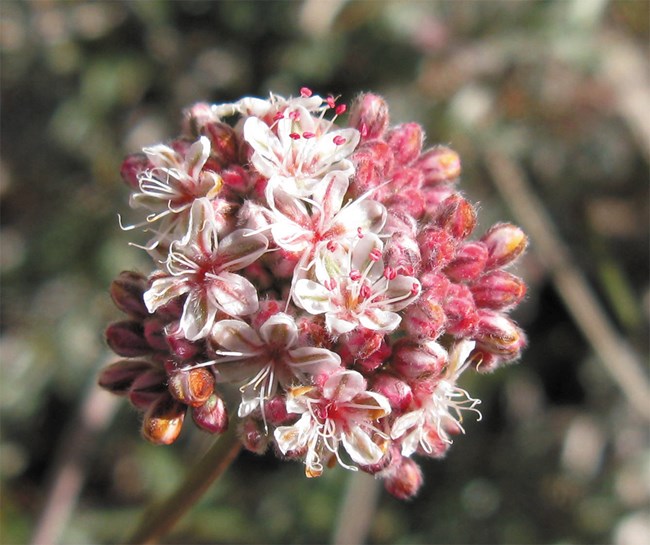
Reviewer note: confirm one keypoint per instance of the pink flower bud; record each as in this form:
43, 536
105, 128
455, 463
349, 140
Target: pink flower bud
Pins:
457, 216
191, 386
253, 435
212, 416
118, 377
223, 142
132, 167
126, 338
499, 335
408, 200
505, 243
163, 421
435, 195
399, 221
402, 253
437, 248
468, 263
425, 318
177, 343
369, 114
148, 387
275, 410
404, 480
418, 360
498, 290
237, 179
126, 292
154, 333
460, 310
486, 362
196, 117
397, 391
439, 165
384, 463
360, 346
406, 142
406, 178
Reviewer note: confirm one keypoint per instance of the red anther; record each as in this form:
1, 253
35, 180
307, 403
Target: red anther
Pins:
294, 115
308, 134
305, 92
365, 291
359, 232
339, 140
331, 246
330, 284
278, 116
294, 136
415, 288
340, 109
355, 275
389, 273
375, 254
331, 101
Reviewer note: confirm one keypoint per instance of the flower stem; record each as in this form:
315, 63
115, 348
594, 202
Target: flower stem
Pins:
158, 519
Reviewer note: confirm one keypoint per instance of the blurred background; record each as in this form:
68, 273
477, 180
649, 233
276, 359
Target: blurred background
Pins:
551, 95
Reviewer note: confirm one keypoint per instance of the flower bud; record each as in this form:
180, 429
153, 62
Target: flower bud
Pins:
402, 254
468, 263
437, 248
457, 216
425, 318
360, 346
406, 178
163, 421
435, 195
148, 387
196, 117
418, 360
118, 377
126, 338
405, 480
369, 114
212, 416
154, 333
439, 165
223, 142
505, 243
127, 290
406, 142
498, 334
253, 436
408, 200
178, 345
498, 290
132, 167
460, 310
237, 179
486, 362
397, 391
275, 410
191, 386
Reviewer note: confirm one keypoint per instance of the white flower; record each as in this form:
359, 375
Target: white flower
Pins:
343, 413
353, 288
266, 358
200, 266
439, 411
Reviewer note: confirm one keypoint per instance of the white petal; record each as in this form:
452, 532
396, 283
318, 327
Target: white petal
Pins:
314, 360
241, 248
268, 149
280, 329
293, 437
379, 320
234, 293
402, 290
236, 336
458, 356
360, 447
250, 400
196, 157
164, 290
367, 215
338, 326
198, 315
330, 191
342, 386
361, 256
311, 296
405, 422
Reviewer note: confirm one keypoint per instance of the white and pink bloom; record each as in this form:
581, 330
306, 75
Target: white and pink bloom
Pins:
341, 413
201, 267
354, 288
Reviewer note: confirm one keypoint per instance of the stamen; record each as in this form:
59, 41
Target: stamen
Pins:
339, 140
389, 273
294, 136
305, 92
340, 109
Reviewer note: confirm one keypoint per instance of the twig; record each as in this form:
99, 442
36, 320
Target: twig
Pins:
614, 353
160, 518
357, 509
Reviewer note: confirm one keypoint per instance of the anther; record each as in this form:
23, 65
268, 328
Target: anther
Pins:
278, 116
339, 140
355, 275
415, 288
359, 232
331, 246
305, 92
341, 108
375, 254
294, 136
331, 101
389, 273
308, 134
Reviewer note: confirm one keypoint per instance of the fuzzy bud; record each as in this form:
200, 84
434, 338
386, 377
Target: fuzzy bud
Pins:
163, 421
468, 263
397, 391
212, 416
439, 165
223, 142
275, 410
405, 480
406, 142
126, 338
402, 254
127, 290
437, 248
499, 335
148, 387
132, 167
118, 377
192, 387
369, 114
196, 117
457, 216
418, 360
498, 290
154, 333
505, 243
426, 317
253, 436
460, 310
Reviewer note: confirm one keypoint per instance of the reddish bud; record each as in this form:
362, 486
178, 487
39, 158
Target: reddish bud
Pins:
126, 338
163, 421
408, 200
406, 142
178, 344
404, 480
223, 142
237, 179
212, 416
369, 114
457, 216
469, 262
148, 387
505, 243
127, 290
275, 410
191, 386
425, 318
437, 248
154, 333
498, 290
397, 391
132, 167
402, 254
118, 377
439, 165
253, 435
406, 178
362, 347
196, 117
418, 360
460, 310
499, 335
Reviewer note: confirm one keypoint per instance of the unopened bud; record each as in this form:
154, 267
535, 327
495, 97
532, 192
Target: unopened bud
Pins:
163, 421
505, 243
397, 391
498, 334
132, 167
406, 142
457, 216
498, 290
425, 318
253, 435
223, 142
437, 248
468, 263
127, 290
405, 480
460, 310
275, 410
406, 178
439, 165
212, 416
193, 386
408, 200
154, 333
178, 344
236, 178
196, 117
126, 338
118, 377
369, 114
418, 360
148, 387
360, 346
402, 254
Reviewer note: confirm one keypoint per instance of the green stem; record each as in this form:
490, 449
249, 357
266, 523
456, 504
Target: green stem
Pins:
161, 517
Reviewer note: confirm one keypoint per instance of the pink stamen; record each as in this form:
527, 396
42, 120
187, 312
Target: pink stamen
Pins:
308, 134
359, 232
294, 136
331, 102
341, 108
389, 273
339, 140
278, 116
355, 275
365, 291
294, 115
305, 92
331, 246
375, 254
415, 288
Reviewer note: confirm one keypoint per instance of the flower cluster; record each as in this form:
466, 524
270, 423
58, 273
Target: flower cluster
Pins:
320, 277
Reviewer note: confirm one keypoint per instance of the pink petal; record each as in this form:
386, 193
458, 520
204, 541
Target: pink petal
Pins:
280, 329
234, 294
314, 360
241, 248
343, 386
196, 157
198, 315
236, 336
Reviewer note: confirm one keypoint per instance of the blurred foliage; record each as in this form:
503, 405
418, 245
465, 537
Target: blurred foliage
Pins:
558, 458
